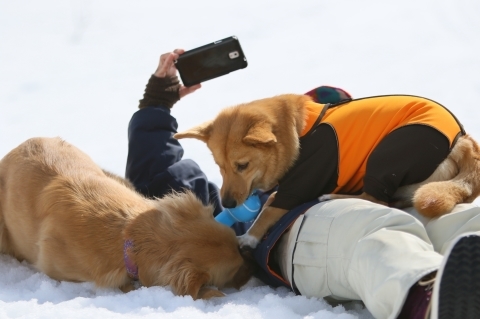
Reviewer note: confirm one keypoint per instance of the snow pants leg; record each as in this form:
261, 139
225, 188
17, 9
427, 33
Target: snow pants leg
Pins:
442, 231
350, 249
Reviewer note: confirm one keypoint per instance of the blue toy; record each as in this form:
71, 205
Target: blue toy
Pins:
243, 213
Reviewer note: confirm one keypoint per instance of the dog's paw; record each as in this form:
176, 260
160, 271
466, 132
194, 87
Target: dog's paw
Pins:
325, 197
247, 240
128, 287
206, 293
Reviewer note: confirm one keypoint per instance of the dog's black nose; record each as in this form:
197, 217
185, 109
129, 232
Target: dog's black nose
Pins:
229, 203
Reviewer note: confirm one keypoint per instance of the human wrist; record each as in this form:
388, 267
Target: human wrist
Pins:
161, 91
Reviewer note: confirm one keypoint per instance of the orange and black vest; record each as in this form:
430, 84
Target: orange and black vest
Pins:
377, 116
357, 127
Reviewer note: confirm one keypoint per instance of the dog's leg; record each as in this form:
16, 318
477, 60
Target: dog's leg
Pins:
266, 219
207, 293
127, 287
4, 243
3, 235
363, 196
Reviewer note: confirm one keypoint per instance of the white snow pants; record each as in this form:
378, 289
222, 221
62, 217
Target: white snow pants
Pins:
351, 249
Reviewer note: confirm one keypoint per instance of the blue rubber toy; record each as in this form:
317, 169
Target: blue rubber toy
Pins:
242, 213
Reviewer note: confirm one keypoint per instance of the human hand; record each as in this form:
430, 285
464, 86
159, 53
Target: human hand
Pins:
166, 68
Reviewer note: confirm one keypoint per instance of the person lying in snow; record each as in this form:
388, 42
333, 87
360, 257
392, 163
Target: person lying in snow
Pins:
397, 263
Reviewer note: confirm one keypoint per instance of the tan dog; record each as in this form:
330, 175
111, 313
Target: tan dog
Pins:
62, 213
257, 143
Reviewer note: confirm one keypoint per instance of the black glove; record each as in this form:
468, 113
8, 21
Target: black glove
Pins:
161, 91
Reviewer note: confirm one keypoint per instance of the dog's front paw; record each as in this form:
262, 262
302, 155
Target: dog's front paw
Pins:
207, 293
325, 197
247, 240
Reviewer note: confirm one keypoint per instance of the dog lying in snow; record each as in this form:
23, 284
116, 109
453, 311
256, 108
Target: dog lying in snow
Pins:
73, 221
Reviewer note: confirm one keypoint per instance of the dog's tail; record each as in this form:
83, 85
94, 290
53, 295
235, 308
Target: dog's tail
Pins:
440, 197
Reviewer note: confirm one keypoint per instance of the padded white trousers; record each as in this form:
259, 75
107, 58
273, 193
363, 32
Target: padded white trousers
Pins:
351, 249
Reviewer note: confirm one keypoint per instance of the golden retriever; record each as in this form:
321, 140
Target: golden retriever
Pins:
70, 219
255, 144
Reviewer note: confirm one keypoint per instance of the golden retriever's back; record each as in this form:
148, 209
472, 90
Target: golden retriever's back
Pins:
44, 183
69, 218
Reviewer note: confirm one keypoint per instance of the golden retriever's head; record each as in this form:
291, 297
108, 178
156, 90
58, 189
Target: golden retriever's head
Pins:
254, 144
180, 244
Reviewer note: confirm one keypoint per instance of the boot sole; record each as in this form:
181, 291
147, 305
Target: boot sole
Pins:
456, 293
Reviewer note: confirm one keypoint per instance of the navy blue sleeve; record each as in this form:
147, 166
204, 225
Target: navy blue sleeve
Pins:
154, 162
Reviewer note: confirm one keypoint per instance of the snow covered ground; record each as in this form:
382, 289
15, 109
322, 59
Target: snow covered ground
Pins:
76, 69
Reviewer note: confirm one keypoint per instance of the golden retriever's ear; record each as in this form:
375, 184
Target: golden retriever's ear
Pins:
260, 133
188, 280
200, 132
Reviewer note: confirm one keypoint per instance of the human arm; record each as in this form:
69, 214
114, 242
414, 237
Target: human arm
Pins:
154, 162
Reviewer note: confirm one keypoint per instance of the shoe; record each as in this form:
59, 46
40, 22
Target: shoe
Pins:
456, 292
418, 301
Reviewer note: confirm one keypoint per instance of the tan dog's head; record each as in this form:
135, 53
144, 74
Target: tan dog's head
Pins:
254, 144
180, 244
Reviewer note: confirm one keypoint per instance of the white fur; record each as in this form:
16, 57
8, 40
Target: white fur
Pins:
247, 240
325, 197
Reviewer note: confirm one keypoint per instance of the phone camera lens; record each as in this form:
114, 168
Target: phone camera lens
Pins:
234, 55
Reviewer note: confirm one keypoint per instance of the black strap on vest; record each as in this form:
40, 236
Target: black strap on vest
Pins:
324, 110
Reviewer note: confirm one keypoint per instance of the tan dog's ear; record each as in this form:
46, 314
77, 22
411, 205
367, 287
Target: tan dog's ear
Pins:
188, 280
261, 133
200, 132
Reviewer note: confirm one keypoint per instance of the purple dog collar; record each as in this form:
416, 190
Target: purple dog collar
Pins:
132, 269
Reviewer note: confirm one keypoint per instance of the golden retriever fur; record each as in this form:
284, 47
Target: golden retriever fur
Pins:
256, 143
62, 213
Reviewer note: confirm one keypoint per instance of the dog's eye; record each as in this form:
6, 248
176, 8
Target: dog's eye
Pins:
242, 167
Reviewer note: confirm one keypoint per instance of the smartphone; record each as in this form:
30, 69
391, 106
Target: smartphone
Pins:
211, 61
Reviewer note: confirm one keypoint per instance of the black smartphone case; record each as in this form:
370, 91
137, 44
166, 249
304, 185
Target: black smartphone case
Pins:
211, 61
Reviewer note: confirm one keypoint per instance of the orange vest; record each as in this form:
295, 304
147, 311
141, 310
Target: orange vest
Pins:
361, 124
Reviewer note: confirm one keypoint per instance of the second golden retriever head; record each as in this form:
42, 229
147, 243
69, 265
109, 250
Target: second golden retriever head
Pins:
254, 144
180, 244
